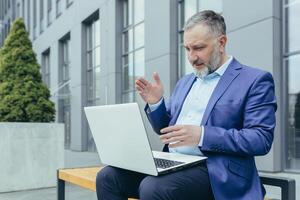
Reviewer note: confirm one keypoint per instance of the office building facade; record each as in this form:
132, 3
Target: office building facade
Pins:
91, 52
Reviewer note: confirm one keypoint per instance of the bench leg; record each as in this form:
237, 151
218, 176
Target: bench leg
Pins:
60, 188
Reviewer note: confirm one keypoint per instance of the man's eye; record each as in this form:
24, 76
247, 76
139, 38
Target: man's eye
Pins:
199, 48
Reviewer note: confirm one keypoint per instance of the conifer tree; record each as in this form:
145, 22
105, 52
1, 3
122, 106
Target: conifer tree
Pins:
23, 95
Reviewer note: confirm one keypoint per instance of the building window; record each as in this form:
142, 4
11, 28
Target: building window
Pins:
93, 67
8, 27
14, 7
64, 102
291, 57
18, 10
93, 62
187, 8
69, 3
49, 12
41, 16
28, 17
58, 8
46, 67
34, 19
23, 9
133, 41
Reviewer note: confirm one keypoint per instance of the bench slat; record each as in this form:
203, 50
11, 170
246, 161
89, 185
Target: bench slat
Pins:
83, 177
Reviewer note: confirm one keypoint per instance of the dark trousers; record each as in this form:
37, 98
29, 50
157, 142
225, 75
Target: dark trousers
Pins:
119, 184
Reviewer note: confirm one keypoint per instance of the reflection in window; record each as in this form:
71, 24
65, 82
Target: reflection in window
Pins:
58, 8
291, 54
46, 67
133, 55
49, 12
292, 64
41, 15
292, 15
34, 19
64, 104
187, 8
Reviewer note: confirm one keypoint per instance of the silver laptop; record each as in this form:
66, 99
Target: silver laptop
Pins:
122, 141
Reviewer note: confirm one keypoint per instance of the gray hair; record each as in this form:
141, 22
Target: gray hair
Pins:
214, 21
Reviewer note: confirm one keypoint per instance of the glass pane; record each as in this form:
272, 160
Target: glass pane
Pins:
190, 8
128, 97
128, 77
89, 37
130, 10
125, 78
90, 85
139, 11
128, 41
293, 137
139, 36
97, 82
97, 56
89, 60
293, 32
125, 14
215, 5
186, 67
139, 63
97, 32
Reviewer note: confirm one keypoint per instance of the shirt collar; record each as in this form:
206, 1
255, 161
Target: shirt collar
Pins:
221, 70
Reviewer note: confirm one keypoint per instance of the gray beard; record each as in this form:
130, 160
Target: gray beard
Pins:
211, 66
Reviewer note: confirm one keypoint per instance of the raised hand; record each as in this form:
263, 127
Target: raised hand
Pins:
150, 92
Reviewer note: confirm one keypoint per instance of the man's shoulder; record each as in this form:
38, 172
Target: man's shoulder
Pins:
186, 78
253, 71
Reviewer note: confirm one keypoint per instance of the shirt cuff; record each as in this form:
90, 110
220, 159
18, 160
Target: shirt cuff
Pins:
202, 136
153, 107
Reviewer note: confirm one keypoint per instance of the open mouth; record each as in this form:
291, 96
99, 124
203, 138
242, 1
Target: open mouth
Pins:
198, 65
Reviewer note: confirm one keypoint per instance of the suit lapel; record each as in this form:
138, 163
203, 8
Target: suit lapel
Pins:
229, 75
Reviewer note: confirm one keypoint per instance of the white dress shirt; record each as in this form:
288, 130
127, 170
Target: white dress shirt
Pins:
195, 104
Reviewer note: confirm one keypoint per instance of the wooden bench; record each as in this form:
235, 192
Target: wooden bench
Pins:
86, 178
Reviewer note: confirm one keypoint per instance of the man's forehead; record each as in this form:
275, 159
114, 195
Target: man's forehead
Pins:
198, 34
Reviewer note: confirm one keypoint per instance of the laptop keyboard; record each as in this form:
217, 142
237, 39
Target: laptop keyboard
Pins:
163, 163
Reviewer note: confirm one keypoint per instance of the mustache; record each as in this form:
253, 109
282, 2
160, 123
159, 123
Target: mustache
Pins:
197, 62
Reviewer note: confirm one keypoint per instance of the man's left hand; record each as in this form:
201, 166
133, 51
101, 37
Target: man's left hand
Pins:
181, 135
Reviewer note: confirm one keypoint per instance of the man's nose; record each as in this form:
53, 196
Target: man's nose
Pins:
192, 56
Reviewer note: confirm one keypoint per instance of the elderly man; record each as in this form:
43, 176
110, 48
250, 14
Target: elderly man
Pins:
224, 110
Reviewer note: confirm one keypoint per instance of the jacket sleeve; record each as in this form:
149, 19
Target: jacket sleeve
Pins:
256, 136
159, 118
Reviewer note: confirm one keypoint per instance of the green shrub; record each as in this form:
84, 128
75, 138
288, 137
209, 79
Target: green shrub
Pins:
23, 95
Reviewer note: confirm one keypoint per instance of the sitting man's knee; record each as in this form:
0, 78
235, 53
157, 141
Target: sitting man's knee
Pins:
150, 188
106, 175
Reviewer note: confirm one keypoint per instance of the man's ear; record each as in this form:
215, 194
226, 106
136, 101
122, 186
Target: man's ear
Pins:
222, 43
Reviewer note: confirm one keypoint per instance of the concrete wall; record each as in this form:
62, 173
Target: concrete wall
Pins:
30, 155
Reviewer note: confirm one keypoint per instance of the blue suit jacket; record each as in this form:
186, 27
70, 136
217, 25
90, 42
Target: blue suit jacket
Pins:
239, 123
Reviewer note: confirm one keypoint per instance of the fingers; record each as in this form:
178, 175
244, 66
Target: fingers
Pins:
156, 78
171, 128
174, 139
139, 85
170, 134
142, 81
177, 144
